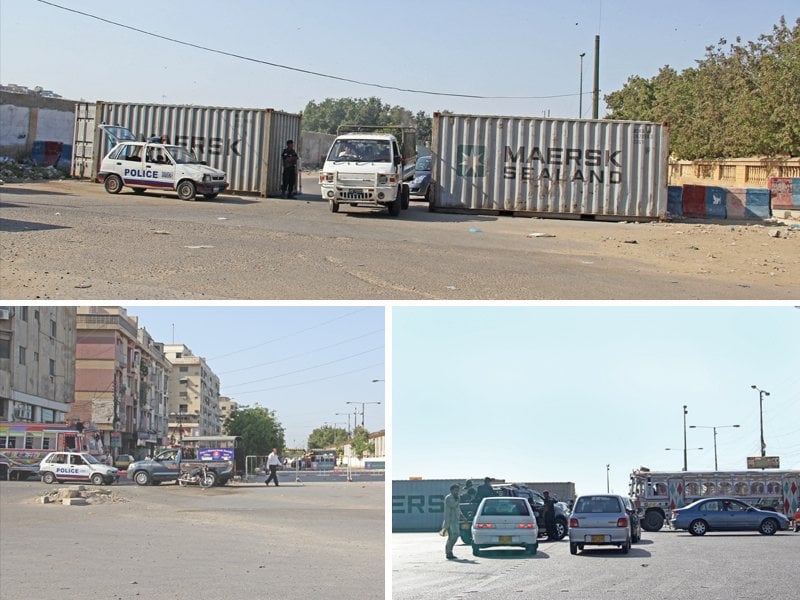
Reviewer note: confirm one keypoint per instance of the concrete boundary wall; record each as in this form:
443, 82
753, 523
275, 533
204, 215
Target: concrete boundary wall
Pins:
732, 172
36, 127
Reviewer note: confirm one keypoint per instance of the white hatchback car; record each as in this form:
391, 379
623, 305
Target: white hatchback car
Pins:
76, 466
601, 520
150, 165
501, 521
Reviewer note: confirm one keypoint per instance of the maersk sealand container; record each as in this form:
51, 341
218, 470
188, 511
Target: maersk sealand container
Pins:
550, 167
246, 143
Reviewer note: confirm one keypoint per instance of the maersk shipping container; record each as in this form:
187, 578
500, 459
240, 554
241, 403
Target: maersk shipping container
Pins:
539, 167
246, 143
418, 504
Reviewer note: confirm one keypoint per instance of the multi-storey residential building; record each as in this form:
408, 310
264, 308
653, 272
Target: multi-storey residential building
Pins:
121, 376
226, 407
37, 363
193, 394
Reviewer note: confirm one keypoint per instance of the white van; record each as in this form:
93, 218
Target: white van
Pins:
76, 466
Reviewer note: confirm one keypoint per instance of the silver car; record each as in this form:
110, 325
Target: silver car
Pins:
504, 522
599, 520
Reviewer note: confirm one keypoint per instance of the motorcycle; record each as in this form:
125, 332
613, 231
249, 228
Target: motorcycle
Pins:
197, 476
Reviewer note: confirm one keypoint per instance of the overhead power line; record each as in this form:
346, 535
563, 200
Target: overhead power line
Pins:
309, 381
298, 69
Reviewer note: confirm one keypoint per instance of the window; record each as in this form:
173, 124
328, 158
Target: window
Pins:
28, 442
24, 315
36, 315
3, 442
184, 370
712, 506
740, 488
184, 394
52, 367
757, 487
692, 488
46, 443
22, 355
35, 357
52, 328
5, 348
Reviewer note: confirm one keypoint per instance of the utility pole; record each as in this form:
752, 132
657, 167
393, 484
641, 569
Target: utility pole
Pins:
580, 90
596, 88
761, 394
608, 483
685, 462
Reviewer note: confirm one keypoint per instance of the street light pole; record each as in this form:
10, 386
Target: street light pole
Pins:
580, 89
608, 484
761, 394
363, 404
348, 421
715, 427
685, 412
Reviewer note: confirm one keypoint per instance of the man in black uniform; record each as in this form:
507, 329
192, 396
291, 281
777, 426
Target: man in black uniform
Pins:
549, 515
484, 490
289, 158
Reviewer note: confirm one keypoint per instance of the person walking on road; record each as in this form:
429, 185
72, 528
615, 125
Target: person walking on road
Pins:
549, 515
289, 158
452, 517
273, 461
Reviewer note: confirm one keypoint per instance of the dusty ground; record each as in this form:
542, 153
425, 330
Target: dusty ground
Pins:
70, 240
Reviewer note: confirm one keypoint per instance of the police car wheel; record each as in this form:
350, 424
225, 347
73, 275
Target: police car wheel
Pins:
97, 479
113, 184
186, 190
49, 478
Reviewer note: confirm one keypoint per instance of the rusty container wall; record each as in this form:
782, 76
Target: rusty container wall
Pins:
537, 166
245, 143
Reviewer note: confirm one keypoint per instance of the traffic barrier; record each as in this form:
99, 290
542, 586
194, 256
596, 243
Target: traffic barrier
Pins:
675, 200
715, 202
694, 201
758, 203
784, 192
736, 202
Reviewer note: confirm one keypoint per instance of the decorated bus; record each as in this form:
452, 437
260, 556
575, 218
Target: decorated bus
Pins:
24, 445
657, 493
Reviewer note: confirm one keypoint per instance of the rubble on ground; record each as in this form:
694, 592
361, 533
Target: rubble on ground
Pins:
79, 495
13, 171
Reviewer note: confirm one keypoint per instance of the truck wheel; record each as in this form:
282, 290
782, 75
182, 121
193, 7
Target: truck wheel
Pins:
113, 184
653, 521
97, 479
395, 206
142, 478
49, 477
186, 190
405, 197
333, 205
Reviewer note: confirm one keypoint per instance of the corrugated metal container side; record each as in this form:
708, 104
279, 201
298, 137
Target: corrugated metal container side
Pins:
542, 166
245, 143
83, 140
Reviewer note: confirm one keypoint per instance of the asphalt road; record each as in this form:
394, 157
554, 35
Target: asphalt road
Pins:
73, 241
238, 541
666, 565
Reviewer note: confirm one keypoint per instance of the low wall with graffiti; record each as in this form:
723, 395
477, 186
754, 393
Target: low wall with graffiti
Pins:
780, 198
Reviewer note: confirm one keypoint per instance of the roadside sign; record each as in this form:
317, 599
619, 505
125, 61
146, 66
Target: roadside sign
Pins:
763, 462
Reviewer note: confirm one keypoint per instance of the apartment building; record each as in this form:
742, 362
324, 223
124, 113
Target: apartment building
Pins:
226, 407
37, 363
193, 404
121, 378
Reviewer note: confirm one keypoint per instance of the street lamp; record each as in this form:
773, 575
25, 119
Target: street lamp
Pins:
685, 412
761, 394
363, 404
580, 95
684, 453
608, 467
715, 427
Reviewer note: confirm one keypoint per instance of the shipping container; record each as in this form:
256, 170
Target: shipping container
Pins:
246, 143
541, 166
418, 504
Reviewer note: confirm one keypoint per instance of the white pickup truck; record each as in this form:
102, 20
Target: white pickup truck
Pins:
368, 169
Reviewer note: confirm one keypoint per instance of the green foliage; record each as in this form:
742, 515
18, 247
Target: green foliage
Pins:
327, 437
741, 99
259, 429
328, 115
361, 444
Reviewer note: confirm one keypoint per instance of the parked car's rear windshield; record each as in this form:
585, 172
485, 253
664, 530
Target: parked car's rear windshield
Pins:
597, 504
508, 507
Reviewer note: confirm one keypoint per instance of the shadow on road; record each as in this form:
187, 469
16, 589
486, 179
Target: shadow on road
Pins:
13, 225
21, 191
614, 553
509, 554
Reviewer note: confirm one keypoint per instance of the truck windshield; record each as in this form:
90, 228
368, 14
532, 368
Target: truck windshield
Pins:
181, 155
360, 151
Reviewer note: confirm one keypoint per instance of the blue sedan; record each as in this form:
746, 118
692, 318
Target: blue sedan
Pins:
726, 514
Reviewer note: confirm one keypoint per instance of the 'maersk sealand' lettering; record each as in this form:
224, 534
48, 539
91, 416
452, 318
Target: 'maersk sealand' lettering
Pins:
575, 159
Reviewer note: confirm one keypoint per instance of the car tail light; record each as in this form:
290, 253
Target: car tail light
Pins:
526, 525
573, 522
485, 526
622, 522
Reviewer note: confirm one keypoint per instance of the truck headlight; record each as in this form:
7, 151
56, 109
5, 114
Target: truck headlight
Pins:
326, 178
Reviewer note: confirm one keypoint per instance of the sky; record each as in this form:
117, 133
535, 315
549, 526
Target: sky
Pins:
556, 393
305, 363
519, 48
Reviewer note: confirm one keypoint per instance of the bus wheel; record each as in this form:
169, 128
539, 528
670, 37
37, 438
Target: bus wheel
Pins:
653, 521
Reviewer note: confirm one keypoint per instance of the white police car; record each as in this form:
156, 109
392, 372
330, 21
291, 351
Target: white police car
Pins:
154, 165
76, 466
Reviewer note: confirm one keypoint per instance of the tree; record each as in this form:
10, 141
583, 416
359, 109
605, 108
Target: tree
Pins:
360, 442
259, 429
741, 99
327, 437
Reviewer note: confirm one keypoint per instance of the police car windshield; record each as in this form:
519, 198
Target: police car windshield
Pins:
181, 155
90, 459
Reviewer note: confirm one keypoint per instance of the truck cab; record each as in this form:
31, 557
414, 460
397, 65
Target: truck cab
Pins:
368, 169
